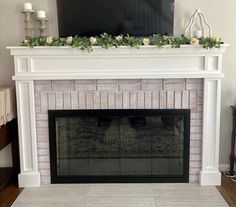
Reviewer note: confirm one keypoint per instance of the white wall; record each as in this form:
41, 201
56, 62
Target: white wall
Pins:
221, 15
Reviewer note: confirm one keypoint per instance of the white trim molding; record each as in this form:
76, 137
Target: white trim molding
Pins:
148, 62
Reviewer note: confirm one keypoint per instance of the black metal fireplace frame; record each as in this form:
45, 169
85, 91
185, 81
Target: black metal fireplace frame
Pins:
55, 178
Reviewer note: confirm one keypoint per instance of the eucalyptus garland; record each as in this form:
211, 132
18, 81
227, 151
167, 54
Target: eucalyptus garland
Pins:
107, 41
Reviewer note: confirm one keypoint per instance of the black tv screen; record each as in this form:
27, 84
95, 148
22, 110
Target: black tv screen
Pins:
133, 17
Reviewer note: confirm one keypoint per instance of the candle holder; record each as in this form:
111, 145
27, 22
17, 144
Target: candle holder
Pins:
42, 27
28, 23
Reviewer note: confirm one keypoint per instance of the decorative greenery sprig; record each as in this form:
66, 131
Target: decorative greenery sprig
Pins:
107, 41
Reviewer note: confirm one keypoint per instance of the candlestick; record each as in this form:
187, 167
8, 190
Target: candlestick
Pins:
41, 14
27, 6
42, 27
28, 20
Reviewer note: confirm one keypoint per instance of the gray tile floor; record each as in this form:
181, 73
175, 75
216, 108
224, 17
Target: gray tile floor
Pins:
120, 195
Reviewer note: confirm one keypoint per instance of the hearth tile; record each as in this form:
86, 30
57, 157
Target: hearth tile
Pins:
52, 195
188, 195
110, 201
120, 190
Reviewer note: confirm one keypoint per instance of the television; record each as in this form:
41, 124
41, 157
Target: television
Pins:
133, 17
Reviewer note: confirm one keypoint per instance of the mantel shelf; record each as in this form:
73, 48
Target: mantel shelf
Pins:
124, 62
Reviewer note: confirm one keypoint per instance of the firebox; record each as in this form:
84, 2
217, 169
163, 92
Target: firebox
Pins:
140, 145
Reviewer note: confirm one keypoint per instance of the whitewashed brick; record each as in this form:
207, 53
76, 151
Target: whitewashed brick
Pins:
155, 100
86, 81
97, 100
64, 85
44, 152
51, 100
196, 136
119, 100
195, 157
111, 100
199, 107
133, 100
108, 87
163, 99
194, 86
195, 150
89, 100
151, 87
45, 180
177, 100
107, 81
197, 115
146, 93
43, 166
170, 99
148, 99
74, 100
43, 87
185, 99
85, 87
42, 82
104, 100
44, 172
195, 129
194, 178
66, 100
140, 99
194, 171
196, 122
59, 100
42, 124
41, 117
43, 159
195, 164
82, 100
126, 100
193, 101
43, 145
174, 84
44, 102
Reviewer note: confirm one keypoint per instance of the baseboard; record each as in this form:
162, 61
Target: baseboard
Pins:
31, 179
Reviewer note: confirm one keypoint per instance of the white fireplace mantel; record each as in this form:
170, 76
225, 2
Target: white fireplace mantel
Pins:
148, 62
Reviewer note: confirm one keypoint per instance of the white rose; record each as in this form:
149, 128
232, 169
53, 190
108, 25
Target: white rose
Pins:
218, 39
119, 37
69, 40
93, 40
194, 41
26, 41
146, 41
49, 40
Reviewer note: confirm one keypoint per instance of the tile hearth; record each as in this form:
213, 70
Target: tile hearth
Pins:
120, 195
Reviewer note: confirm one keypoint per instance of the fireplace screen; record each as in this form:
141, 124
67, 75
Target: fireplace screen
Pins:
119, 145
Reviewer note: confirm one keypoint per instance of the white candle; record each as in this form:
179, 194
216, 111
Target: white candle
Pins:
41, 14
27, 6
198, 33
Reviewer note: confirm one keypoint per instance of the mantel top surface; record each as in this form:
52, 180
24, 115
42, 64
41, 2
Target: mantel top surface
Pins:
65, 50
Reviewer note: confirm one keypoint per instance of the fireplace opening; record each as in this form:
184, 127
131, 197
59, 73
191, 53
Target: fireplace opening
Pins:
140, 145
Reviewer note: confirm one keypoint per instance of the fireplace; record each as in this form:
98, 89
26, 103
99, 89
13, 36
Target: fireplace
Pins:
119, 145
65, 78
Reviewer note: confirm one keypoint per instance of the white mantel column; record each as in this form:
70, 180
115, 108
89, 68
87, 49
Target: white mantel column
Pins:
29, 175
210, 174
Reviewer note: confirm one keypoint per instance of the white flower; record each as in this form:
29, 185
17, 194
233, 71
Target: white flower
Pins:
146, 41
218, 39
194, 41
69, 40
26, 41
93, 40
49, 40
119, 37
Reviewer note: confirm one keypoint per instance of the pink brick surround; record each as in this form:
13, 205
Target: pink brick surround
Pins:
118, 94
